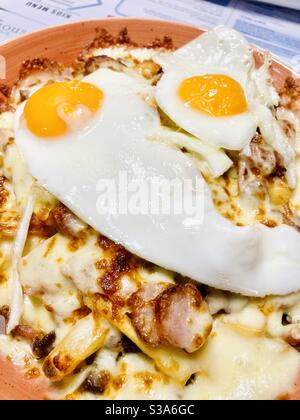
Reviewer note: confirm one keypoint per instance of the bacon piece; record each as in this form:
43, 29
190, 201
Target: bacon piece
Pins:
147, 293
263, 156
175, 315
249, 182
253, 169
183, 317
143, 315
144, 322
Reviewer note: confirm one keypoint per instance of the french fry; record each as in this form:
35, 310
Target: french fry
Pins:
85, 338
171, 361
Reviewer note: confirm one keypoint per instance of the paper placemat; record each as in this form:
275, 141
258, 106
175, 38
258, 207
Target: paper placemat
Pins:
269, 27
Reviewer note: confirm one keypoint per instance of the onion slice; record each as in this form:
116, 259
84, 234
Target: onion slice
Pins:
16, 306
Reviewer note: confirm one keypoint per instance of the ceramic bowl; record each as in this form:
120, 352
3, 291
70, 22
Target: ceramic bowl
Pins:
64, 43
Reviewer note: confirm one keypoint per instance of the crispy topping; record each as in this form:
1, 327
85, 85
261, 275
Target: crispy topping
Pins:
49, 369
4, 194
4, 317
105, 40
4, 311
128, 346
250, 182
31, 66
96, 383
63, 220
5, 92
165, 43
25, 331
78, 314
9, 222
123, 37
43, 347
62, 362
2, 325
41, 228
95, 63
149, 70
145, 323
117, 262
290, 95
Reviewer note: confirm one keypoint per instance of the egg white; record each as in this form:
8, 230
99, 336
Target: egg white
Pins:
254, 261
220, 51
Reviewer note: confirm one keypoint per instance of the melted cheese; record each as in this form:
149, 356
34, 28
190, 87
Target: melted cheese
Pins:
16, 170
18, 352
41, 275
238, 362
234, 364
35, 314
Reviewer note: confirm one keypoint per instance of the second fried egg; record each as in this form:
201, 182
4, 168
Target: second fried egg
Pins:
205, 91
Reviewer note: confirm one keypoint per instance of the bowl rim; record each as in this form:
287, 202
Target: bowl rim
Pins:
97, 23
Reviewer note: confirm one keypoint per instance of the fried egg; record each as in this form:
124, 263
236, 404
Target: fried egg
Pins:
66, 106
204, 88
100, 129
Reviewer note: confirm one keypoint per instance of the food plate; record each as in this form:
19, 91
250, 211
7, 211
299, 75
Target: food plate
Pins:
63, 43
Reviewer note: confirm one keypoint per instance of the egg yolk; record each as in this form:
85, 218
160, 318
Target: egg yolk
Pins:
213, 94
51, 111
